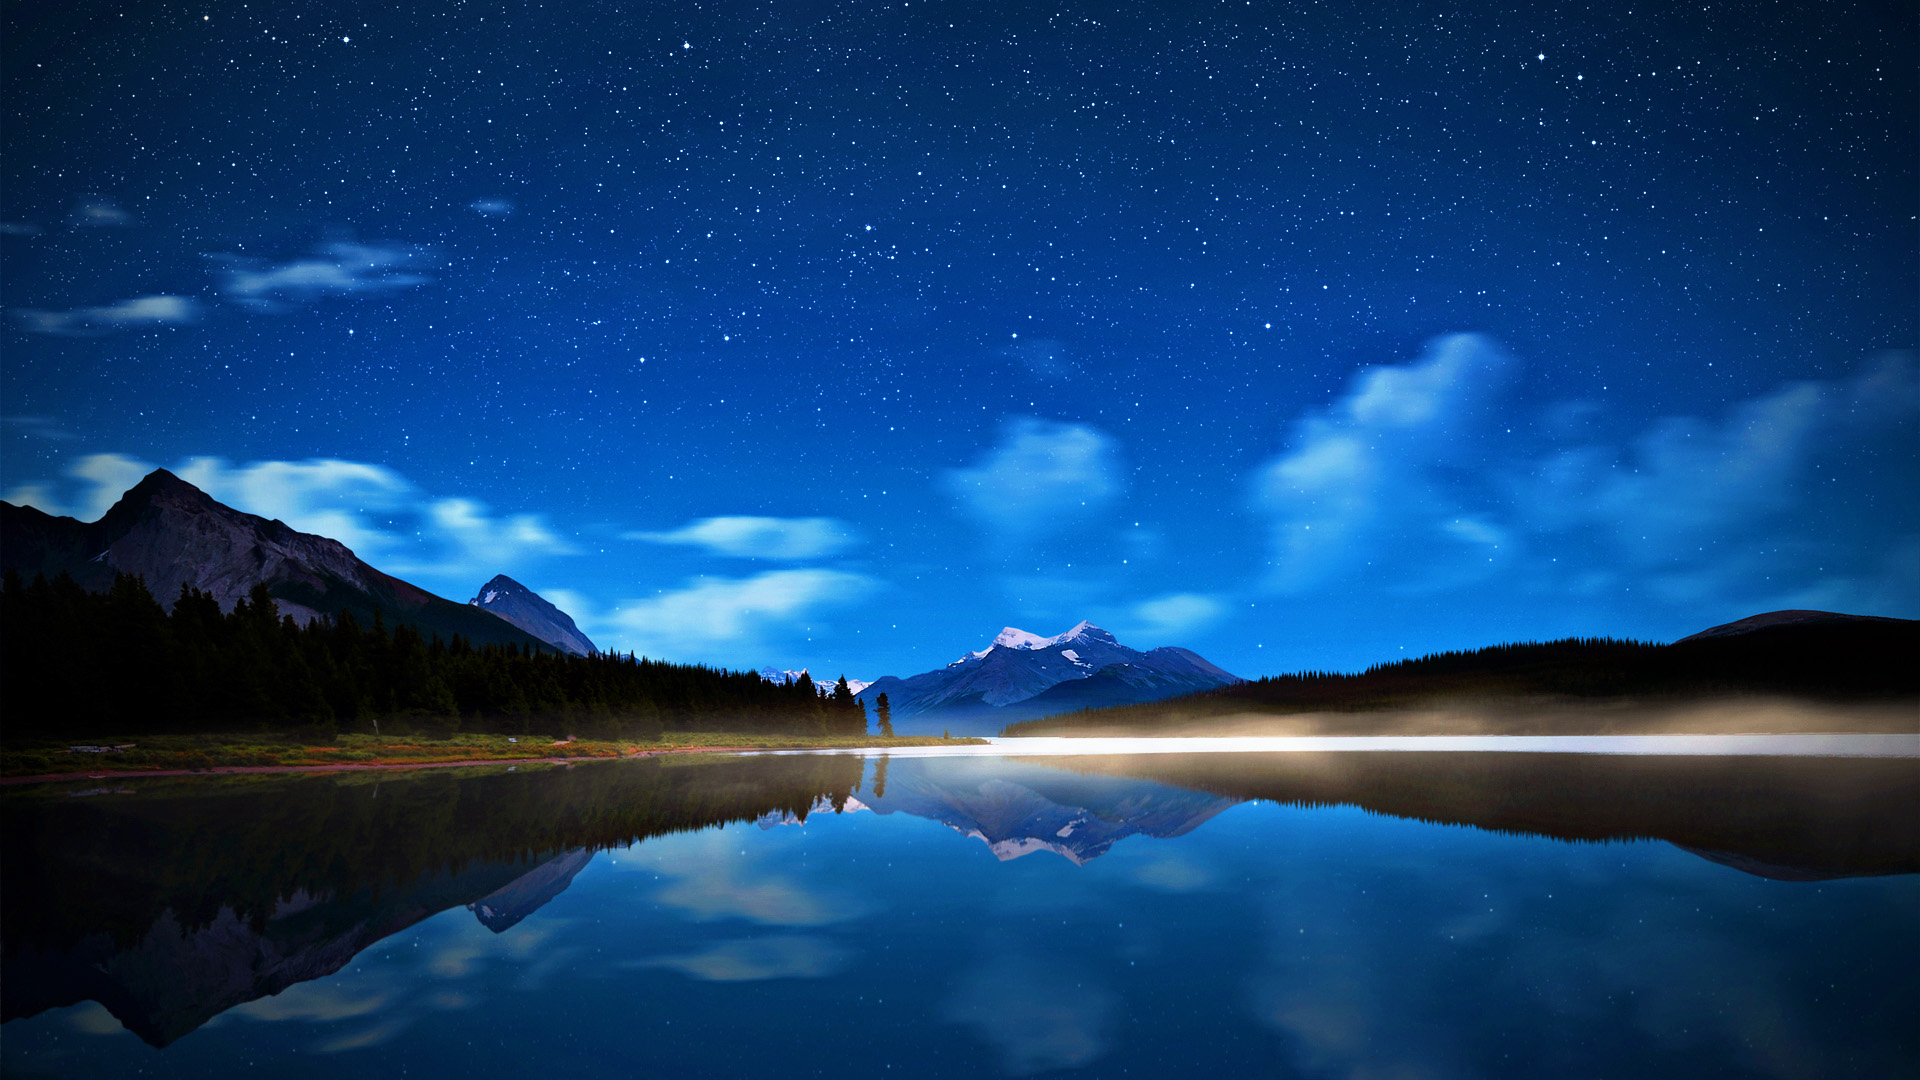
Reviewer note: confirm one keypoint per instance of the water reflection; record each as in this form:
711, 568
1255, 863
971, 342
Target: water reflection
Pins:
1795, 819
1301, 916
169, 902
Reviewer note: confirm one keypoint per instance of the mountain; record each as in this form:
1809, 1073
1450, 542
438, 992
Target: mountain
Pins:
166, 981
777, 676
500, 909
1022, 675
172, 534
1812, 620
531, 612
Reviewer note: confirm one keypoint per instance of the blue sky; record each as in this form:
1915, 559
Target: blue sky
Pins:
843, 335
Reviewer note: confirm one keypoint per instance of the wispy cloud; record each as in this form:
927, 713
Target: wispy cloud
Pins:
1414, 482
1173, 615
335, 269
1381, 467
38, 427
141, 311
327, 496
19, 228
1697, 509
1042, 477
95, 483
99, 212
787, 956
1038, 1012
710, 880
759, 537
491, 207
726, 620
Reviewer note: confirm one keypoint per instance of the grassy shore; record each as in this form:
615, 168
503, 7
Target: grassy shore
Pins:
173, 753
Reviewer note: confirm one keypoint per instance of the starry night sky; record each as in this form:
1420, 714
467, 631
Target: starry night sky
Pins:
841, 335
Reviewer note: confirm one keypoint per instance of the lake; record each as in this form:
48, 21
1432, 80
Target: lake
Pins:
1321, 911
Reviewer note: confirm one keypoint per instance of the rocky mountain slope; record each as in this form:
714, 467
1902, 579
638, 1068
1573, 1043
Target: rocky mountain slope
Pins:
533, 613
171, 533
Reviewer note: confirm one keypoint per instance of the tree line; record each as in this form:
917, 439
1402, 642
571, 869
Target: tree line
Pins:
1840, 661
77, 663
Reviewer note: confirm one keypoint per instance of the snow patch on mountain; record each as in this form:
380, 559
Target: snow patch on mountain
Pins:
984, 690
777, 676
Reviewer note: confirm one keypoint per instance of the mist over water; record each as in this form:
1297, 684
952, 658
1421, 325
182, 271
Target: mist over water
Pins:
1790, 745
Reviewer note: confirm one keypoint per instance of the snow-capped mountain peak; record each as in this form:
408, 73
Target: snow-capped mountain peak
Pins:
1016, 638
1012, 637
777, 676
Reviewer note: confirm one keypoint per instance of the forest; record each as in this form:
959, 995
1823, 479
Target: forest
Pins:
76, 664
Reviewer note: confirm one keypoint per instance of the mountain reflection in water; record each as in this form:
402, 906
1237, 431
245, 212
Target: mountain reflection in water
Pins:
169, 902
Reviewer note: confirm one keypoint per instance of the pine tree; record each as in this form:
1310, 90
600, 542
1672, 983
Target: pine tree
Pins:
884, 710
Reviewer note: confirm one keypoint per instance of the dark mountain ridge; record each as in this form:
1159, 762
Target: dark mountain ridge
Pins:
171, 534
1819, 657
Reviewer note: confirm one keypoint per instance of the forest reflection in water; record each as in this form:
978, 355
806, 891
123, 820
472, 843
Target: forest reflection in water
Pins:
169, 903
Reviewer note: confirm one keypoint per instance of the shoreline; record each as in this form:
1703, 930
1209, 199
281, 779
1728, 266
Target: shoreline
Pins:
367, 766
1741, 744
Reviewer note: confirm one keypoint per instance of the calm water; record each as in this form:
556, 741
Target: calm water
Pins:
1330, 914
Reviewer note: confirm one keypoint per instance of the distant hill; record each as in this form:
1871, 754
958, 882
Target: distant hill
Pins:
533, 613
1797, 618
172, 534
1802, 655
1021, 675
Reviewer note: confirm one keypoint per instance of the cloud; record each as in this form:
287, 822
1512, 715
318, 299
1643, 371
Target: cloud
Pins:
1043, 477
102, 478
714, 618
1036, 1012
361, 1040
316, 1001
326, 496
384, 518
336, 269
1175, 614
98, 212
141, 311
353, 502
759, 537
1699, 510
1174, 873
19, 228
755, 959
1377, 467
491, 207
712, 881
471, 539
39, 427
1415, 482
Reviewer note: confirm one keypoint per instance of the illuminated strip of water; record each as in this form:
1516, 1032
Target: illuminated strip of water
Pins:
1792, 745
